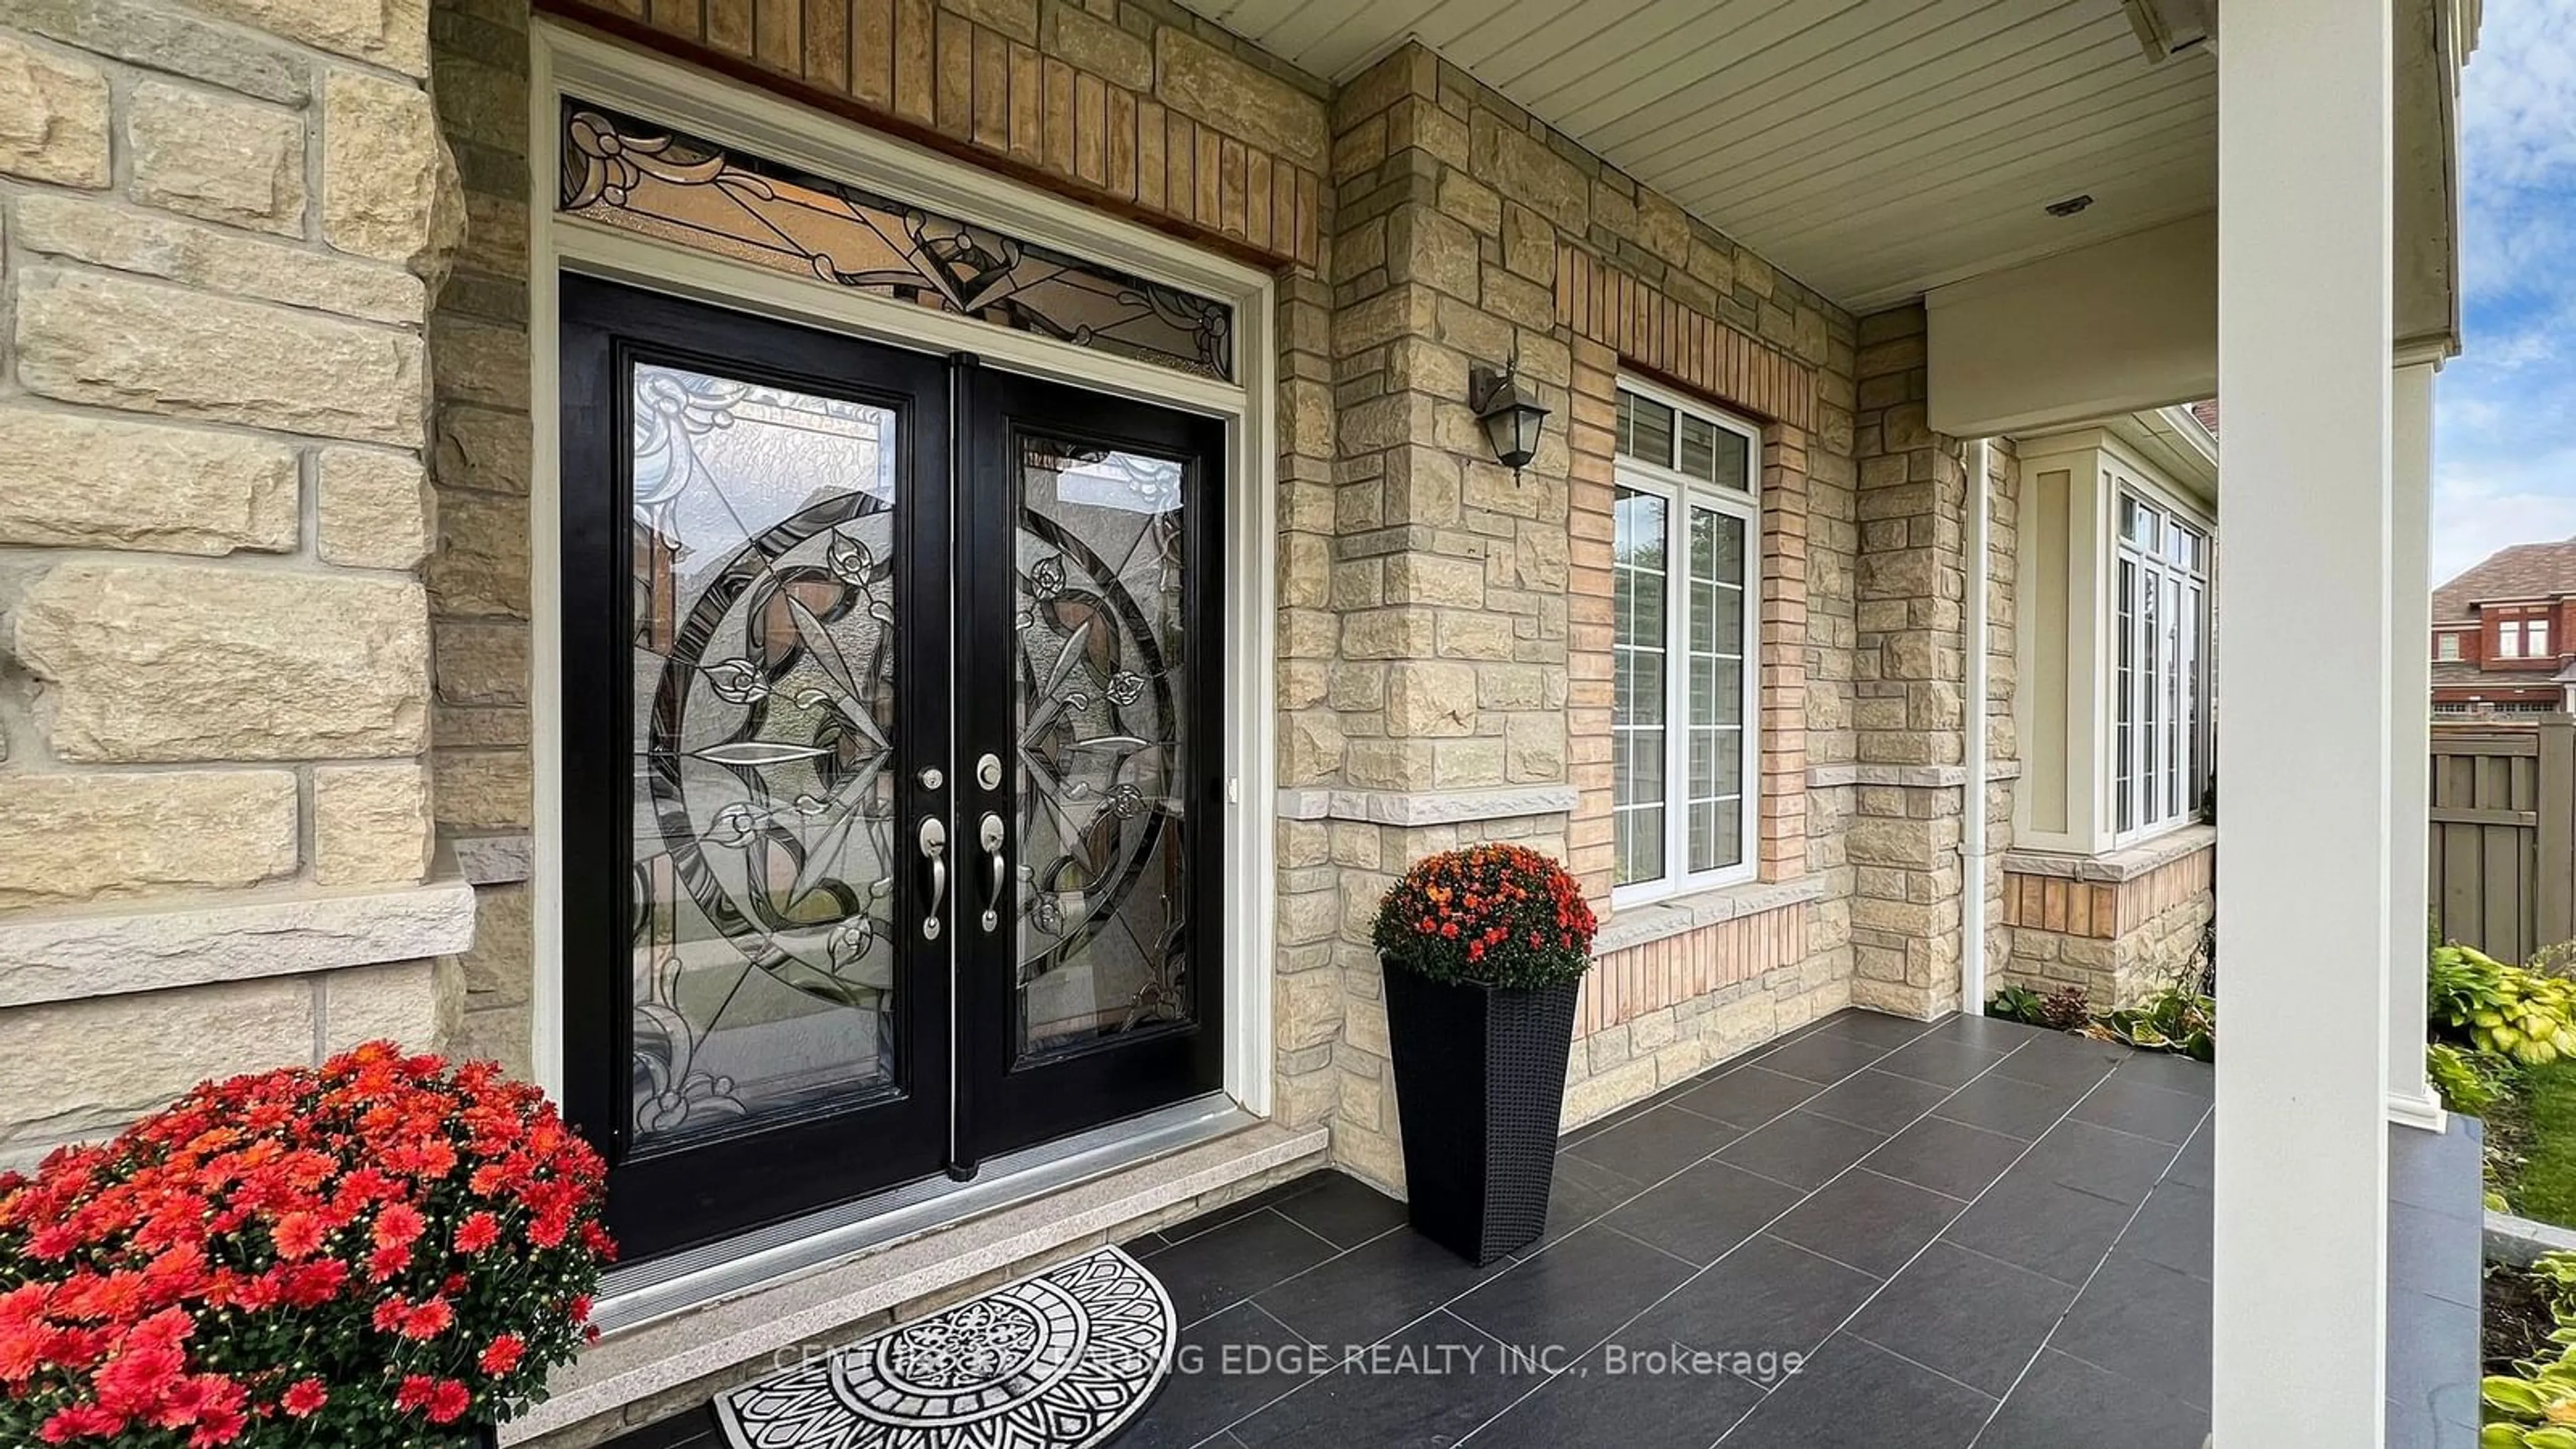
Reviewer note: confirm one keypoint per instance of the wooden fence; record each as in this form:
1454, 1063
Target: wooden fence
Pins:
2504, 834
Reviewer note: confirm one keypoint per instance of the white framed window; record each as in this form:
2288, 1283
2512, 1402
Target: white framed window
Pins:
2509, 639
2160, 679
1685, 572
2535, 639
2448, 648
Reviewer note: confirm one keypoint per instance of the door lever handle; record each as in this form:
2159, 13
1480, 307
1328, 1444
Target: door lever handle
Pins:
934, 848
991, 835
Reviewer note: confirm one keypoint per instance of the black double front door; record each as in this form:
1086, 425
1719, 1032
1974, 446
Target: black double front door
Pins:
890, 761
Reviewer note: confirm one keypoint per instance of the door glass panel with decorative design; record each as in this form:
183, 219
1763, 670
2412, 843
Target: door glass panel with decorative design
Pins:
765, 734
1101, 704
1089, 988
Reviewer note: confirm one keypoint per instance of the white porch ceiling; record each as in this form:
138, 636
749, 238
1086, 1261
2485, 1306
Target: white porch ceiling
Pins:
1870, 148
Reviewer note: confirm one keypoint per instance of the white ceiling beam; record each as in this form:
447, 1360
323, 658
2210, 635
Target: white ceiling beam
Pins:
2116, 327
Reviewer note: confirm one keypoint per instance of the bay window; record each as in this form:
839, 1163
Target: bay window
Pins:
2160, 735
2116, 593
1684, 570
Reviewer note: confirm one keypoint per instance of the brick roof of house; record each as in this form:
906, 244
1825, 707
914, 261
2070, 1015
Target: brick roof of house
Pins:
2207, 412
2522, 571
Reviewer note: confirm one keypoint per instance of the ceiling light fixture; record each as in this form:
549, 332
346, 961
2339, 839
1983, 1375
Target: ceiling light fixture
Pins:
2167, 28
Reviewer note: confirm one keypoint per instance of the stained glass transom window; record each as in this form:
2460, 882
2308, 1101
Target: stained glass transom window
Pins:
649, 179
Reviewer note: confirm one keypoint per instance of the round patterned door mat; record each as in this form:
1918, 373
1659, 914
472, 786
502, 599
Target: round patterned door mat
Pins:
1061, 1360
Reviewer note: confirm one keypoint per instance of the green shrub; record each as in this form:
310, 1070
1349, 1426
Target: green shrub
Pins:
2175, 1019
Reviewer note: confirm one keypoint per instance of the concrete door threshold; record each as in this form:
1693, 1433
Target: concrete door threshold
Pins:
668, 1365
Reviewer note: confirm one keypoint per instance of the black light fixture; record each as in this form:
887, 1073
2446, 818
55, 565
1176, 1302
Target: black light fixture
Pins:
1510, 411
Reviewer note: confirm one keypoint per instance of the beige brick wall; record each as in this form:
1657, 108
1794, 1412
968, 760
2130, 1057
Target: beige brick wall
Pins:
2118, 940
1909, 684
1135, 106
1660, 1013
1474, 607
226, 225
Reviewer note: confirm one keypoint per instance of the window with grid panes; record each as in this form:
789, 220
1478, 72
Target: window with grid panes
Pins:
1685, 571
2161, 678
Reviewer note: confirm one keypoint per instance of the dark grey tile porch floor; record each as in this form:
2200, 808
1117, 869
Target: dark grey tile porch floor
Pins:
1972, 1232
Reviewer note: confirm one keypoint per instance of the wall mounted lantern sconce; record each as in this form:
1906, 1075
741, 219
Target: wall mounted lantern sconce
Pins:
1510, 411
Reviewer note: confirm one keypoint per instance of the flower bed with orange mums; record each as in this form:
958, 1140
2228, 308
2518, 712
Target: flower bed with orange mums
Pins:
1487, 915
382, 1251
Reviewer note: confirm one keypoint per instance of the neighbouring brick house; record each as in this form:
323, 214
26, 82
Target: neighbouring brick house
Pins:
2500, 643
484, 561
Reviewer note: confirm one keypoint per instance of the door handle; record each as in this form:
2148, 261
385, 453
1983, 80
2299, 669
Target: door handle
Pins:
991, 835
934, 848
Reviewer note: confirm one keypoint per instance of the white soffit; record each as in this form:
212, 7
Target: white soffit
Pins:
1871, 148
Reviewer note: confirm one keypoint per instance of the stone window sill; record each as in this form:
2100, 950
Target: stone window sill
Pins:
1632, 926
2113, 866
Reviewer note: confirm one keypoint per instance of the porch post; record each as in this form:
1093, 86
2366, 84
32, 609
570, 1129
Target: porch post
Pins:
2410, 738
2304, 338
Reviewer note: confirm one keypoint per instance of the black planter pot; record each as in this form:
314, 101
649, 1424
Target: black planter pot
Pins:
1480, 1086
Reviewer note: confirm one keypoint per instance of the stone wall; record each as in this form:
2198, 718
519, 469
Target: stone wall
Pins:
480, 463
1655, 1014
226, 226
2003, 685
1472, 682
2119, 926
1909, 682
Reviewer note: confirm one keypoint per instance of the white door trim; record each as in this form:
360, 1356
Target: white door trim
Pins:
565, 60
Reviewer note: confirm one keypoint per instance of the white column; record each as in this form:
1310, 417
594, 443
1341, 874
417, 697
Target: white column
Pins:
1972, 826
2410, 737
2301, 1282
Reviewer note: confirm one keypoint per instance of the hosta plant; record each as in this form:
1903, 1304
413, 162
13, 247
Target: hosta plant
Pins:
378, 1252
1487, 915
2501, 1009
2534, 1407
2173, 1019
2467, 1082
2017, 1003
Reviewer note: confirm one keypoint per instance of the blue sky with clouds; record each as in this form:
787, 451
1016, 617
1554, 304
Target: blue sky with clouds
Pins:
2504, 463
